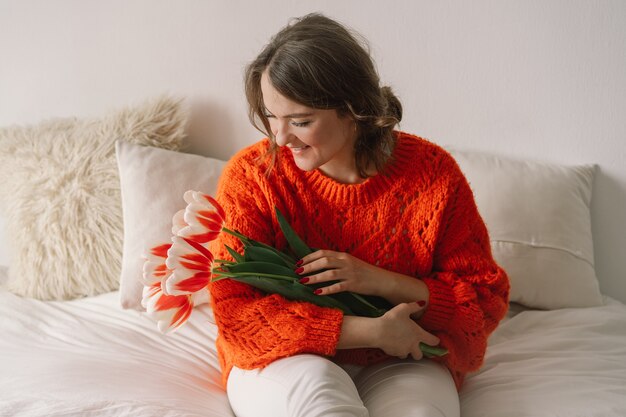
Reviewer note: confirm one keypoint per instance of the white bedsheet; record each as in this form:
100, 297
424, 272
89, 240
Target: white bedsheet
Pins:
91, 358
569, 363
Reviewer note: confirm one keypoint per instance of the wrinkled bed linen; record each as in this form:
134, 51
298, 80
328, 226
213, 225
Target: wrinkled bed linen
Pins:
567, 362
89, 357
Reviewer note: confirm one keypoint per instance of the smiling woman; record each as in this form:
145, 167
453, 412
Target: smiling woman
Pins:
318, 138
318, 66
392, 216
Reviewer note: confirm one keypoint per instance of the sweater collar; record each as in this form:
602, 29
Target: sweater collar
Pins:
328, 189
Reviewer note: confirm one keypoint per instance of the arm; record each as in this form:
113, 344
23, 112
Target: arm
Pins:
468, 290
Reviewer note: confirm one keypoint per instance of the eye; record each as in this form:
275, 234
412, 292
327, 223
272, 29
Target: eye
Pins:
300, 124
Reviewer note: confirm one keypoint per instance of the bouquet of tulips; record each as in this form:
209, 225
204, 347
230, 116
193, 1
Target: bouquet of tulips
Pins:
177, 274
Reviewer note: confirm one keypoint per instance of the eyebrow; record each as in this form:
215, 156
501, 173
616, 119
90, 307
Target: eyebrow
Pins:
292, 115
298, 115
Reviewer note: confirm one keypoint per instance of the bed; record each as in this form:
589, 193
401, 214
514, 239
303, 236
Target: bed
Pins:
75, 341
88, 357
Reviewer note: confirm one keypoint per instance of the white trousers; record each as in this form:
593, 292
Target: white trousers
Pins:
313, 386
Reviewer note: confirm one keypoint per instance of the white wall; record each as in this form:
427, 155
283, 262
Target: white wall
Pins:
537, 78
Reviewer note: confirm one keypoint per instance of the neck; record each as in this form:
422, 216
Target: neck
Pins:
345, 175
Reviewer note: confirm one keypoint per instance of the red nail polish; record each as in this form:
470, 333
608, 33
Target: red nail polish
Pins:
299, 270
304, 280
421, 303
300, 262
317, 291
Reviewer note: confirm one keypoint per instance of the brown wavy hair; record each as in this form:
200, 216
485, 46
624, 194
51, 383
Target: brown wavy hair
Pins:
317, 62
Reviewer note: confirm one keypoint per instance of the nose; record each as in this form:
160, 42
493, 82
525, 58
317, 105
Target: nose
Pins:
281, 132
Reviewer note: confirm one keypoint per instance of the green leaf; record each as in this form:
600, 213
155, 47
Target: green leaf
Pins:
362, 305
236, 255
254, 267
219, 275
356, 304
291, 291
295, 243
247, 242
264, 254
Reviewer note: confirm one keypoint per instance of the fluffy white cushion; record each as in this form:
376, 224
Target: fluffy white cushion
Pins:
60, 194
153, 183
539, 221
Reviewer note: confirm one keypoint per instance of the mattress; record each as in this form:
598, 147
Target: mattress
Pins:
89, 357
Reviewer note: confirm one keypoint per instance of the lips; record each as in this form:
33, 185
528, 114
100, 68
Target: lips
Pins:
298, 149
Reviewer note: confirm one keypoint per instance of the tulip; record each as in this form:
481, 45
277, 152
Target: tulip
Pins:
170, 311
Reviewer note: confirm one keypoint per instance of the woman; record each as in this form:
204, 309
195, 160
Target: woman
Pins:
394, 217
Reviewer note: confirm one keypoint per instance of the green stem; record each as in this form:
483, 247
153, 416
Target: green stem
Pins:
430, 351
253, 274
364, 301
236, 234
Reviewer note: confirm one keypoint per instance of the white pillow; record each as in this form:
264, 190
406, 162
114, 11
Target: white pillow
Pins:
539, 222
4, 271
153, 182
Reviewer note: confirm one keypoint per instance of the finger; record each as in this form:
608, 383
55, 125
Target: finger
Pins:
416, 353
330, 276
332, 289
318, 265
429, 338
316, 255
410, 308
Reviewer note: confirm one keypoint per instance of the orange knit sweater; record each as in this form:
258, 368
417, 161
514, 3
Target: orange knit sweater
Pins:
418, 219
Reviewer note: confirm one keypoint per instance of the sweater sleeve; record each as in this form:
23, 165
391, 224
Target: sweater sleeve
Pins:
468, 290
256, 328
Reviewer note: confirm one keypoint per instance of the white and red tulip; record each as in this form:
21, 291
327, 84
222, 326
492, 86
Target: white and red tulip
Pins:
178, 273
204, 218
190, 263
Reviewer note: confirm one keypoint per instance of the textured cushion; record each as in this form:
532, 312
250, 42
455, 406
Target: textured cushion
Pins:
60, 195
539, 222
153, 183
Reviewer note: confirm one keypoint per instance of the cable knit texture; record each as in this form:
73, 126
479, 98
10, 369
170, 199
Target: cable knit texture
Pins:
419, 218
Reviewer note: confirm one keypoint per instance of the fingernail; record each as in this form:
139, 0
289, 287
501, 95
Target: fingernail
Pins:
299, 270
300, 262
421, 303
304, 280
317, 291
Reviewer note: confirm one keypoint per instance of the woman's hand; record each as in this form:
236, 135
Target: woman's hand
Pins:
398, 335
355, 275
394, 332
351, 273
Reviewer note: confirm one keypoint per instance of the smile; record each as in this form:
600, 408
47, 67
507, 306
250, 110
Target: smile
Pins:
298, 149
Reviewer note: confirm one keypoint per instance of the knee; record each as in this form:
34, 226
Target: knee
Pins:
322, 388
314, 372
409, 389
301, 385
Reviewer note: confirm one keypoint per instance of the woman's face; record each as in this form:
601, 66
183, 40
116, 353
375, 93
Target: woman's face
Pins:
316, 138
